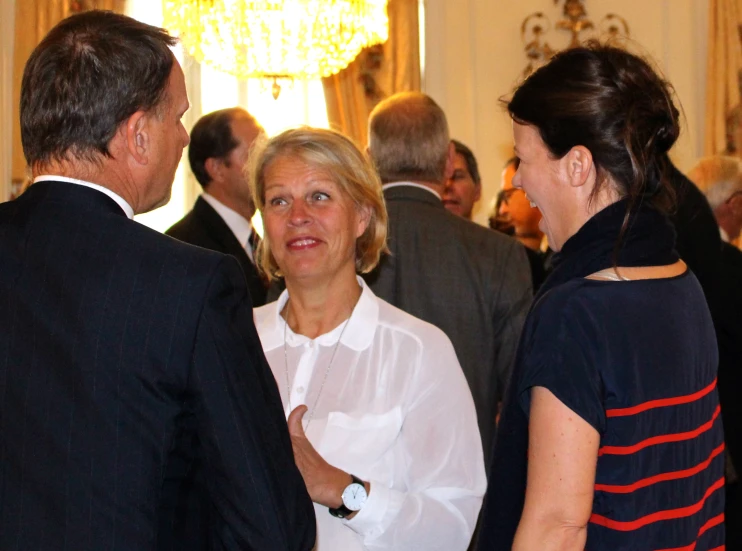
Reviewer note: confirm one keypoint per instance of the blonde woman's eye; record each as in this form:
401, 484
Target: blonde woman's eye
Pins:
320, 196
277, 202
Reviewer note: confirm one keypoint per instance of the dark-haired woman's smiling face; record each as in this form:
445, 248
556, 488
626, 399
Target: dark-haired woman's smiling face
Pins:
544, 180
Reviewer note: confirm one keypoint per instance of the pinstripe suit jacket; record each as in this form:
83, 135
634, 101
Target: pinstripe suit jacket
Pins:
205, 228
116, 342
471, 282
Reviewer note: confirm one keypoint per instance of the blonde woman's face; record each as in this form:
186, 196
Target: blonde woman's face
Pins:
311, 223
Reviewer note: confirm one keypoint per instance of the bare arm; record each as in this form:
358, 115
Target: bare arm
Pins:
562, 457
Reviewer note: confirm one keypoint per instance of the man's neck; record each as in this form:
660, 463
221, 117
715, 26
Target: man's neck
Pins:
105, 174
226, 199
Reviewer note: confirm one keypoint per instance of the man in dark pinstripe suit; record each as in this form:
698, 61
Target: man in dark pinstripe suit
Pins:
126, 356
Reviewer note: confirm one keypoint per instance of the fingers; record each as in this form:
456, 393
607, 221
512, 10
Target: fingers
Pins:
294, 421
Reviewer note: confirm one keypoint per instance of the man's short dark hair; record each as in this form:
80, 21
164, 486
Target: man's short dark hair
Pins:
471, 160
86, 77
212, 137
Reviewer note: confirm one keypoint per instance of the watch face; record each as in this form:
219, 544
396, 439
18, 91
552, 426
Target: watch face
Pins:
354, 496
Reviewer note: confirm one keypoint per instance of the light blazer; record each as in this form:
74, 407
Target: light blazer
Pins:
203, 227
471, 282
116, 342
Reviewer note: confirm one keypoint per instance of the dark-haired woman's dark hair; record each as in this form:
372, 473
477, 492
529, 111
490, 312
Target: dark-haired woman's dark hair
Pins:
614, 104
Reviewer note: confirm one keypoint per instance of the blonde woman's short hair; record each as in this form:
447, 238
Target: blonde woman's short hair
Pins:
348, 167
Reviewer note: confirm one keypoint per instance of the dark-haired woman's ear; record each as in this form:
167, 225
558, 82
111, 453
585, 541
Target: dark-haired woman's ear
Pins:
580, 168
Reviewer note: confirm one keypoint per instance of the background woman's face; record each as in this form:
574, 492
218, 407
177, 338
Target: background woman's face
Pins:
311, 223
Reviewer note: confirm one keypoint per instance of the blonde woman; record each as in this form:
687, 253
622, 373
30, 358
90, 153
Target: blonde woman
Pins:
381, 418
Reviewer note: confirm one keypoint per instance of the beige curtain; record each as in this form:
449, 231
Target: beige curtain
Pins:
376, 73
33, 19
724, 66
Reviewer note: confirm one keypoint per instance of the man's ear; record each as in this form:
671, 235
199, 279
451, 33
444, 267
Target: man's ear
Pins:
213, 167
580, 168
137, 137
450, 158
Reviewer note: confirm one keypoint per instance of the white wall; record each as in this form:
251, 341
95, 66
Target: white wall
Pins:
7, 18
474, 56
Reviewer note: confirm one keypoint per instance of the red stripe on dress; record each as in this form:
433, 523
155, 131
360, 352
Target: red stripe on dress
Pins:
670, 514
664, 477
664, 402
662, 439
718, 519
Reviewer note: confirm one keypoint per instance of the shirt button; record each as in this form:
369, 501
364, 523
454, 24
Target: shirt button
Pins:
300, 390
311, 344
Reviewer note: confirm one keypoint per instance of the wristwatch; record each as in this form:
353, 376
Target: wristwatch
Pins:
354, 496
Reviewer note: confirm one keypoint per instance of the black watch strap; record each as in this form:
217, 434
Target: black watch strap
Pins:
343, 511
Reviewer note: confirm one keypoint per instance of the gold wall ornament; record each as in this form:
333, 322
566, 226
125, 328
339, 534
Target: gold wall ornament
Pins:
532, 31
535, 28
575, 20
614, 26
277, 39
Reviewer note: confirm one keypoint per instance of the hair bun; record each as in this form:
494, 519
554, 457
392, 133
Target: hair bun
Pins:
666, 134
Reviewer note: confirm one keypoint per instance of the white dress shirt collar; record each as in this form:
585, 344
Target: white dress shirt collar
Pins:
126, 207
240, 226
411, 184
358, 335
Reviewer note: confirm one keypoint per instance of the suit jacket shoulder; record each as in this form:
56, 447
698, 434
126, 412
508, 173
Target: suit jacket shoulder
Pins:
203, 227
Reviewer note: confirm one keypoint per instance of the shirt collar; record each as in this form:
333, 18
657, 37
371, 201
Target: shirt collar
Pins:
358, 335
126, 207
411, 184
240, 226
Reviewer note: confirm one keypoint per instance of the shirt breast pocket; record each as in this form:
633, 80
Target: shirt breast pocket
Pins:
358, 441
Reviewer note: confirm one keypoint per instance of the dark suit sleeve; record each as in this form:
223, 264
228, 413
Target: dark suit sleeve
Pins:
512, 302
259, 497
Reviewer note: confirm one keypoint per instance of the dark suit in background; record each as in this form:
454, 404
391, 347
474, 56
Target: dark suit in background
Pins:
719, 271
470, 281
116, 343
203, 227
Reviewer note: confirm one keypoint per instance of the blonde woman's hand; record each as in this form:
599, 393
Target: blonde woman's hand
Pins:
324, 482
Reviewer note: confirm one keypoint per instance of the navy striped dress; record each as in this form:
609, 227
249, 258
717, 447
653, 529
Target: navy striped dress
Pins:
637, 360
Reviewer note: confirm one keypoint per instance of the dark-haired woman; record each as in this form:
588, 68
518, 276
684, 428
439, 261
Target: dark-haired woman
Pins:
610, 437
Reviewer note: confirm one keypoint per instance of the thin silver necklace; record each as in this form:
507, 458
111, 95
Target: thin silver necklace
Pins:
327, 370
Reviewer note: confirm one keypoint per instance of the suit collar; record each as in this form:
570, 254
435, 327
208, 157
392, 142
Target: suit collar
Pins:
240, 226
218, 228
120, 201
407, 191
69, 195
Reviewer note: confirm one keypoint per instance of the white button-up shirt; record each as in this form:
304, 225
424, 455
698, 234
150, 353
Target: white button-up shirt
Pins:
396, 411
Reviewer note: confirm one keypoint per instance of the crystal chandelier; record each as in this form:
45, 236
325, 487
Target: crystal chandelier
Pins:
277, 39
